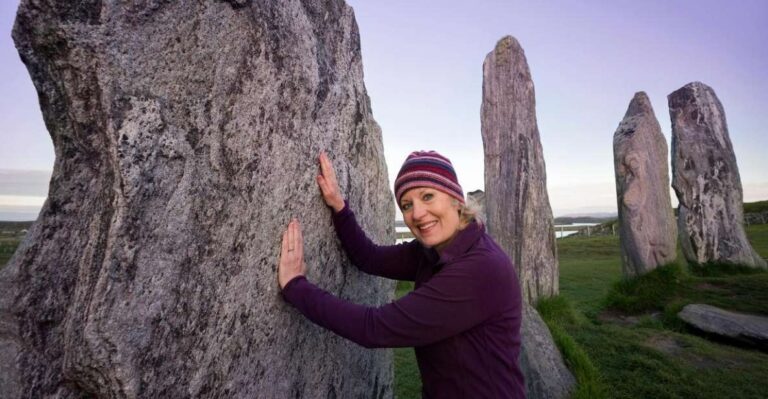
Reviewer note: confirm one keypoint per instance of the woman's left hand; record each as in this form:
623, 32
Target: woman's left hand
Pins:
291, 254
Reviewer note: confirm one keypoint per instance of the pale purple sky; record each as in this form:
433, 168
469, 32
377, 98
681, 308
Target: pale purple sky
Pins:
423, 70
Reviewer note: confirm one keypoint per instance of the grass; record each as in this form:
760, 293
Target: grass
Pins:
622, 339
758, 237
558, 313
10, 237
8, 246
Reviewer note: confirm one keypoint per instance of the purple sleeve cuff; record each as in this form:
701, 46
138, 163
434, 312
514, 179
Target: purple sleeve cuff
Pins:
343, 213
290, 291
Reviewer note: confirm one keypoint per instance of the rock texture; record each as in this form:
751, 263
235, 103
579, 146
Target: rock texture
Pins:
706, 180
476, 201
186, 137
646, 222
517, 203
516, 208
545, 373
746, 329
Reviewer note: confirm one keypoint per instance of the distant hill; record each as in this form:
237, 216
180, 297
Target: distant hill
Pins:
756, 207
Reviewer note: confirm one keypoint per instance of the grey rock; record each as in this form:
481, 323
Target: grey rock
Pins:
517, 204
748, 329
476, 202
646, 222
186, 136
706, 180
517, 211
546, 375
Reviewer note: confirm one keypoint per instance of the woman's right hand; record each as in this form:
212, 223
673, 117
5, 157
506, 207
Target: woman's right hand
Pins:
329, 186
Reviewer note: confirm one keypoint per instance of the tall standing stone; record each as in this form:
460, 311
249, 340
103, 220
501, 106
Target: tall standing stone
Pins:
517, 204
646, 221
186, 137
706, 180
516, 208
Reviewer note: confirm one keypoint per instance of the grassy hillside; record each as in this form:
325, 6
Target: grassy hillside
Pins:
756, 207
631, 336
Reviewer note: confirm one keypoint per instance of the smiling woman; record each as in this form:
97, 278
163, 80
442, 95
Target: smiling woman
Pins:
463, 316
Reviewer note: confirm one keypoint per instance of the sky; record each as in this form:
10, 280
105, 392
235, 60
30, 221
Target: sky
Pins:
423, 71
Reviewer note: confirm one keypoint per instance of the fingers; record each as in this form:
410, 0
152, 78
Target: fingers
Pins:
299, 242
322, 183
292, 237
327, 168
284, 246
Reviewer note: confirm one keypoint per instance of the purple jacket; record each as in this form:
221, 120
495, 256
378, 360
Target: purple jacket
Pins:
463, 317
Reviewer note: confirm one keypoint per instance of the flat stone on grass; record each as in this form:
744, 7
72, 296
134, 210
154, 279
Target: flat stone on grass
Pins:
749, 330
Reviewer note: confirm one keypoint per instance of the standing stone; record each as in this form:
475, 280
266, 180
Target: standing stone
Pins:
186, 137
646, 221
476, 202
516, 208
706, 180
517, 204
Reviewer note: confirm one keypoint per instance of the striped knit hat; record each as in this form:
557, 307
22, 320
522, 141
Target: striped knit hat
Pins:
428, 169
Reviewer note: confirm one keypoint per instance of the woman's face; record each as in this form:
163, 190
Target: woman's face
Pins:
432, 216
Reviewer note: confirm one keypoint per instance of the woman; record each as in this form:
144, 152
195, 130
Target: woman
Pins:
463, 317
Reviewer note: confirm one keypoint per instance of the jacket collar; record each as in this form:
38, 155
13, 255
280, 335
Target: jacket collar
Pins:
463, 241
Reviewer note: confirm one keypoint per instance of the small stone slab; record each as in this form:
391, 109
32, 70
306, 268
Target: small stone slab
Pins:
748, 329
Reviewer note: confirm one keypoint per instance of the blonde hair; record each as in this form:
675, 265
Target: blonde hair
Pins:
467, 215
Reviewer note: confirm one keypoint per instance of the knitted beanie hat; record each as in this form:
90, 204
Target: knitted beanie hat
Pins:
428, 169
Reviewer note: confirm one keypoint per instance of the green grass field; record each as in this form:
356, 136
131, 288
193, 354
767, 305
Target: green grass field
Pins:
631, 336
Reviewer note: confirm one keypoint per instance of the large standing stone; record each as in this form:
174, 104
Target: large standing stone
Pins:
186, 137
646, 221
706, 180
517, 205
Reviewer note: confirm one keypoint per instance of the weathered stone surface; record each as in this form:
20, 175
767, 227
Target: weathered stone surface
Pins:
515, 207
747, 329
186, 136
517, 204
646, 222
706, 180
476, 201
545, 373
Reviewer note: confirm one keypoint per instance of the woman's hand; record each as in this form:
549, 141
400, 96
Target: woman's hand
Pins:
329, 186
291, 254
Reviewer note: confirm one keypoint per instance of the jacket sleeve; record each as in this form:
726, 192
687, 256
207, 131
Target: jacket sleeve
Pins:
453, 301
397, 262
